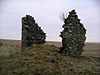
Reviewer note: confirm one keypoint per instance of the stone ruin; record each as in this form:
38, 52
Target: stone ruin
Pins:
31, 32
73, 35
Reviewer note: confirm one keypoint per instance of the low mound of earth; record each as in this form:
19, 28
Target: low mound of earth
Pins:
46, 60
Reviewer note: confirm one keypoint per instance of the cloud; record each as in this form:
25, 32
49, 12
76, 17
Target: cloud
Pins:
46, 14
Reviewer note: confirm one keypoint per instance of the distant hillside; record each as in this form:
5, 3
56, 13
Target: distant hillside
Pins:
91, 49
88, 45
11, 42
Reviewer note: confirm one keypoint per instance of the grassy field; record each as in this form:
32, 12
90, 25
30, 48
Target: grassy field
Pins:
46, 60
8, 47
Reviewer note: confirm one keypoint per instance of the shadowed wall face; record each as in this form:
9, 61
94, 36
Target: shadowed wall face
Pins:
31, 32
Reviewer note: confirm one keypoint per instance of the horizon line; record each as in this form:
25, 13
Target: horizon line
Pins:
50, 40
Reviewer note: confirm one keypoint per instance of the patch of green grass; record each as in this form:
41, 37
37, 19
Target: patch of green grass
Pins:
45, 60
6, 50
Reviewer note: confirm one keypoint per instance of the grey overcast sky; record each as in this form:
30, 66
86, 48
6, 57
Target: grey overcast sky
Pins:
46, 14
